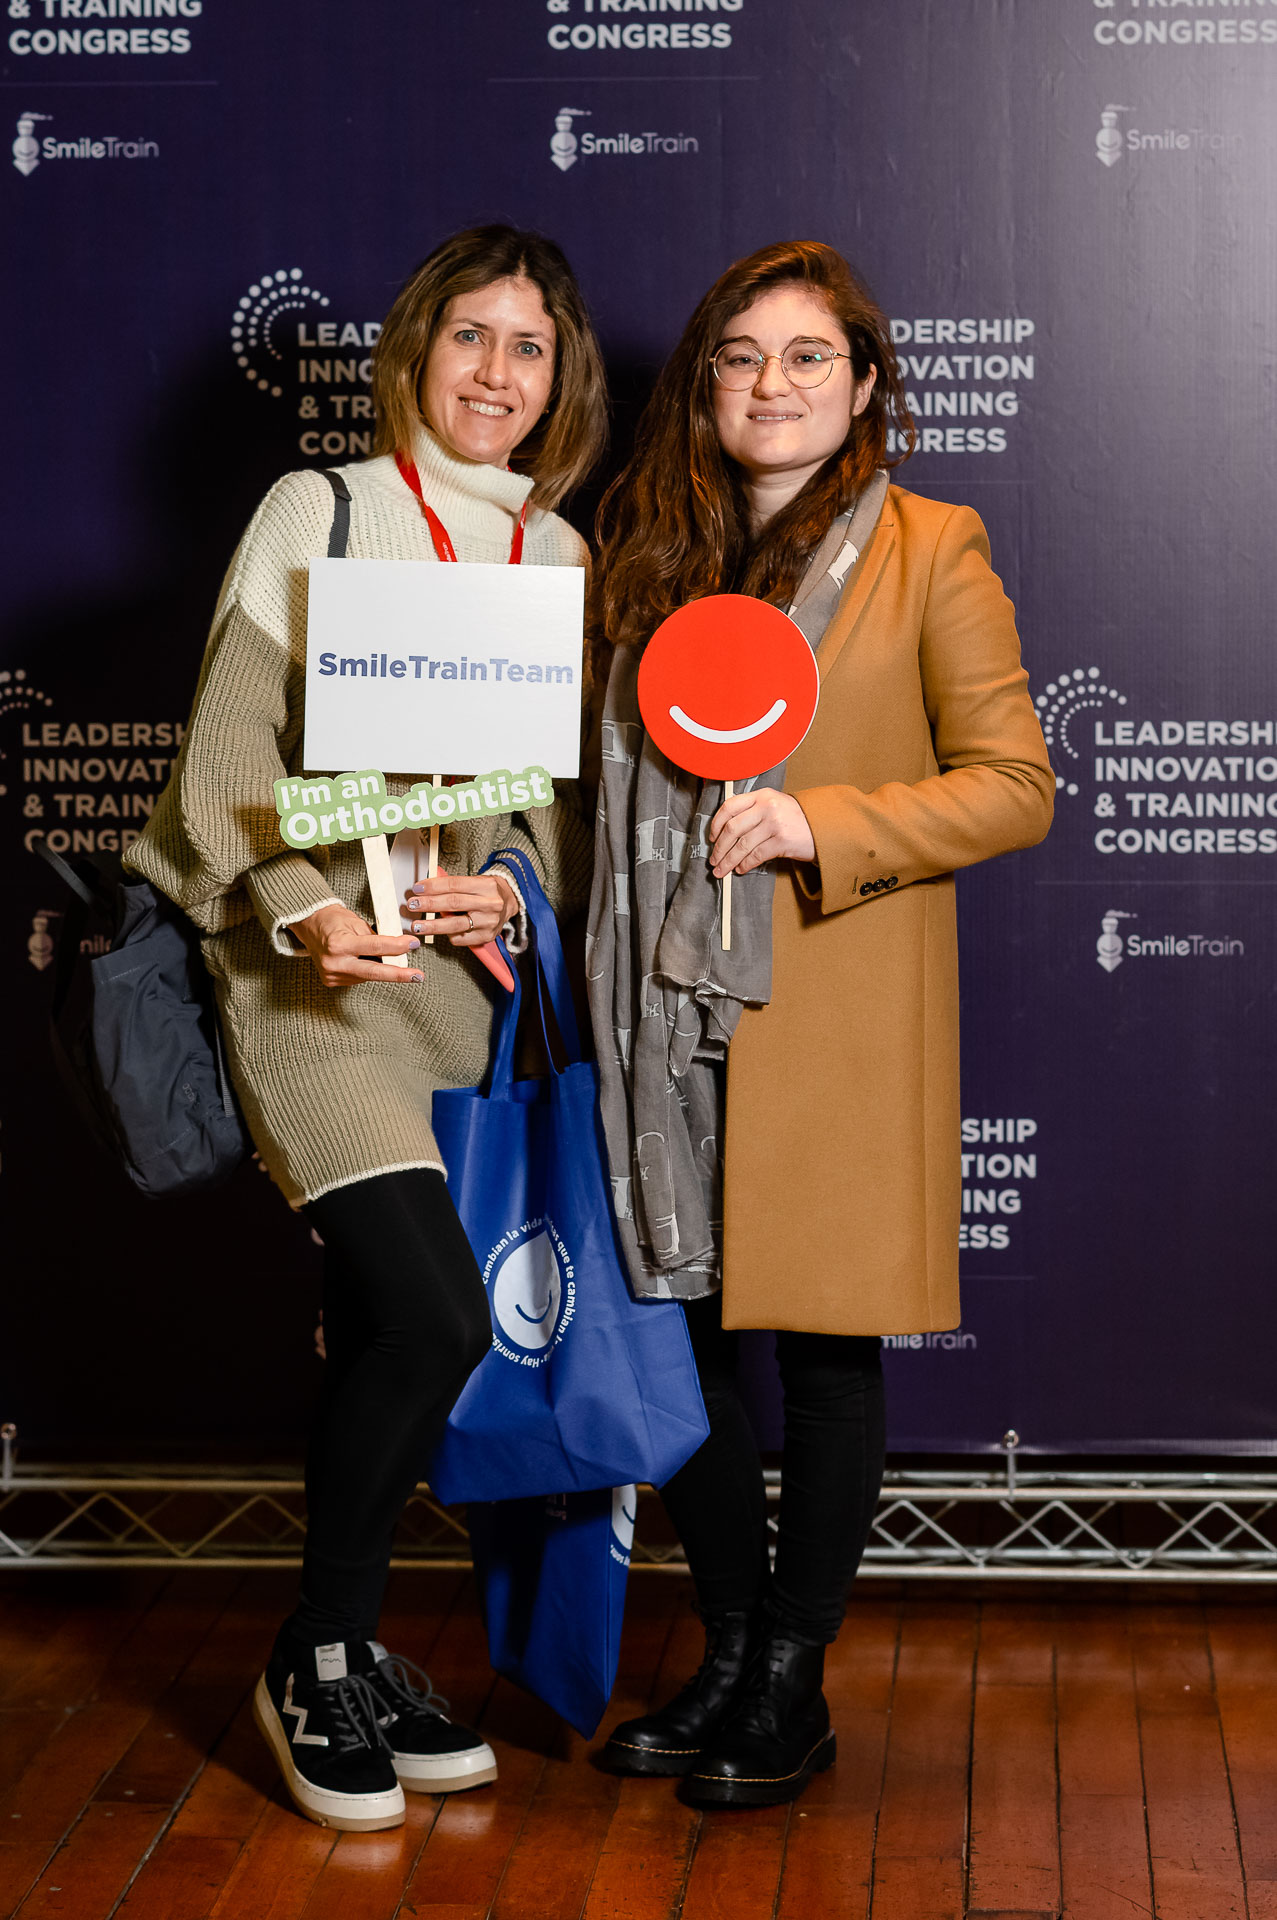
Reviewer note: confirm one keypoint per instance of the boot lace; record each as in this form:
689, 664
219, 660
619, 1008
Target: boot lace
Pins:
761, 1708
410, 1685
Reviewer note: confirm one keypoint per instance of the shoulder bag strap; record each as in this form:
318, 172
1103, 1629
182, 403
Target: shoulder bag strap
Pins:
339, 535
91, 896
505, 1021
552, 973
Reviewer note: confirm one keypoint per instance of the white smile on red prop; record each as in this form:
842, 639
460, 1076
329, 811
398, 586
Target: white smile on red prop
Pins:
728, 736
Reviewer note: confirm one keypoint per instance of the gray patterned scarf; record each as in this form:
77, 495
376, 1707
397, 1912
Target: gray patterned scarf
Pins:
665, 998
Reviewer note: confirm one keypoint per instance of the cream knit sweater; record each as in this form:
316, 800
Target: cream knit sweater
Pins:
336, 1085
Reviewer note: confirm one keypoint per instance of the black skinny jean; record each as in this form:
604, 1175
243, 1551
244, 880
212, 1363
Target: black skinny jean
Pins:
835, 1444
405, 1324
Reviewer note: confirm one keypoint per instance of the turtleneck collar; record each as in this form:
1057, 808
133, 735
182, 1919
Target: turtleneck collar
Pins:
444, 472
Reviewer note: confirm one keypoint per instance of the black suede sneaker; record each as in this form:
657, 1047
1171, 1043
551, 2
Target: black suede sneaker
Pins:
431, 1753
322, 1721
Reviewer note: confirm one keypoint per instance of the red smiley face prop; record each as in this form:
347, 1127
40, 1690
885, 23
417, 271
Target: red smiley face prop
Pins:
728, 687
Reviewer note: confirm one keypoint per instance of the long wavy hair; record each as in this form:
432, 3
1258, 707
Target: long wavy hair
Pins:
570, 435
674, 524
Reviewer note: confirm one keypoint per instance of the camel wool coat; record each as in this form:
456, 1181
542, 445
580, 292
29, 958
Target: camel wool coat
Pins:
842, 1179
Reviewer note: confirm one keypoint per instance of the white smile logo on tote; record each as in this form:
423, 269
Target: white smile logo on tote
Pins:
527, 1293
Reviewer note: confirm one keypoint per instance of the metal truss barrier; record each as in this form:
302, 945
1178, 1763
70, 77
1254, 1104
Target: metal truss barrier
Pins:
1005, 1525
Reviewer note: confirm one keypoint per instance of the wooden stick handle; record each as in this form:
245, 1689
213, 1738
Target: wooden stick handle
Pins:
729, 788
432, 859
385, 904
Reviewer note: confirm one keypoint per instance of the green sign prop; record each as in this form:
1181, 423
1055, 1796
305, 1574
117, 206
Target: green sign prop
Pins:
356, 806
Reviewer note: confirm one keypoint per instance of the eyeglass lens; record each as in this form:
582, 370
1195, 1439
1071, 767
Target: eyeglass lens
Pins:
804, 363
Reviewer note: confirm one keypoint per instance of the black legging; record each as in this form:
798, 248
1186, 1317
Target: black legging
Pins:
405, 1323
835, 1444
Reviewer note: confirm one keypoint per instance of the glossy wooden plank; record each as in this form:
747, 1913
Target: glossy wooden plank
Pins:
21, 1864
24, 1731
60, 1666
1103, 1840
919, 1858
1244, 1658
171, 1749
1014, 1864
643, 1863
452, 1912
465, 1855
556, 1852
42, 1804
736, 1868
182, 1879
234, 1786
828, 1863
94, 1864
364, 1876
1197, 1872
29, 1602
275, 1873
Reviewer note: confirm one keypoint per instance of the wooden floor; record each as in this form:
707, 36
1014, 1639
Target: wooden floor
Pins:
1100, 1756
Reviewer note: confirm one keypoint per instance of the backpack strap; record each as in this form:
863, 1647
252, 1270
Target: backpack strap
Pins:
91, 896
339, 536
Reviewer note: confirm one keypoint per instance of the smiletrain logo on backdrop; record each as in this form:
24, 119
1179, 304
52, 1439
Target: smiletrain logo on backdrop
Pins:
28, 151
1113, 143
1112, 948
1165, 774
567, 146
287, 350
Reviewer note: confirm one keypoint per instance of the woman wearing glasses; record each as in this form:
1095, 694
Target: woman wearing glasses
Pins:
807, 1181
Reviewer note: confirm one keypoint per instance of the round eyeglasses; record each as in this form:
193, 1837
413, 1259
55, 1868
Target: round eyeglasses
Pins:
804, 363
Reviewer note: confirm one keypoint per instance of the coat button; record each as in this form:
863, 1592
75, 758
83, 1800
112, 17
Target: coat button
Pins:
894, 880
867, 888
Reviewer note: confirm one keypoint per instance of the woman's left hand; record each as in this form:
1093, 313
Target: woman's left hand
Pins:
750, 828
471, 908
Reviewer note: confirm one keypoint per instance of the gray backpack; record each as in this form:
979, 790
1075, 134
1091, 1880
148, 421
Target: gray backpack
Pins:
135, 1030
135, 1034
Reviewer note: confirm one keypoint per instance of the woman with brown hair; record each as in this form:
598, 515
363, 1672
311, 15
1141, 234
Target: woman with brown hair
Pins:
491, 406
783, 1119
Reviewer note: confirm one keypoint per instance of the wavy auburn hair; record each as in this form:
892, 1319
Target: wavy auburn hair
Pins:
674, 524
570, 435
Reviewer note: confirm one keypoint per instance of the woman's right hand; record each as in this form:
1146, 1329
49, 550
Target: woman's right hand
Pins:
340, 943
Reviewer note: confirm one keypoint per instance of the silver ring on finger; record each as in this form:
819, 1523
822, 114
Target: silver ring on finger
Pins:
470, 919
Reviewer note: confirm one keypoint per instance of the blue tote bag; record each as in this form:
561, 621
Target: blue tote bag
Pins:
584, 1387
551, 1575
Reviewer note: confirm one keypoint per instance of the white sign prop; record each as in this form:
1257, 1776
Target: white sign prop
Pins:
424, 669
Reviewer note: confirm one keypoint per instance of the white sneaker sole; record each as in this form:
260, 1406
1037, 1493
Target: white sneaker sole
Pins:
446, 1772
351, 1812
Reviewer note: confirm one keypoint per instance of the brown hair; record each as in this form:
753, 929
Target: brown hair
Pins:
570, 435
674, 526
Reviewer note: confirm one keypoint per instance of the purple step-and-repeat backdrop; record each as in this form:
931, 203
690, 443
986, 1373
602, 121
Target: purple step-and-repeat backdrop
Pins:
1065, 207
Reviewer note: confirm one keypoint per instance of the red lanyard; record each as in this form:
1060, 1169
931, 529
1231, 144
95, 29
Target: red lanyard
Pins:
438, 532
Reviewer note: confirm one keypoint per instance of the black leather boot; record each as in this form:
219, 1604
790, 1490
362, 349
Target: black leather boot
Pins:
669, 1741
777, 1738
